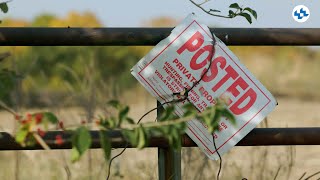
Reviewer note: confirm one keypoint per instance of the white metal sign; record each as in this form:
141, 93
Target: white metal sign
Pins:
180, 60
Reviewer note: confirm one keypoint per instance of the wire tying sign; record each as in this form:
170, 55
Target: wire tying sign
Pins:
180, 60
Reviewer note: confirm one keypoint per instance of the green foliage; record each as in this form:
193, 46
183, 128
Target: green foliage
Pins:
123, 115
50, 117
189, 110
116, 121
105, 144
107, 123
8, 79
138, 137
244, 12
114, 103
81, 142
170, 125
253, 12
232, 14
235, 6
21, 135
70, 70
30, 123
168, 114
4, 7
47, 119
141, 136
239, 11
217, 112
247, 16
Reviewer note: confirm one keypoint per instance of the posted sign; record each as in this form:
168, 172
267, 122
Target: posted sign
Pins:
179, 61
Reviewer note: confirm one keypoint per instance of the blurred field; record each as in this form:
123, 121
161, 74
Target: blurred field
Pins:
73, 82
240, 162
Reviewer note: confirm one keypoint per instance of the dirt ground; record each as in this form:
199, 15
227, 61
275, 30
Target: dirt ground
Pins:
241, 162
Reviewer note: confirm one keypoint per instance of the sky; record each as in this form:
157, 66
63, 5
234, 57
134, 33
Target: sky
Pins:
131, 13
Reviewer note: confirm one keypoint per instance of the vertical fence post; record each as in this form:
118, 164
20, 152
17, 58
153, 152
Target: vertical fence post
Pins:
169, 160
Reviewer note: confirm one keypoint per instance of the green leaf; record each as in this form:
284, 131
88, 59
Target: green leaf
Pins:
131, 136
213, 127
105, 144
235, 6
227, 114
212, 120
167, 114
231, 14
247, 16
114, 103
188, 113
123, 114
157, 131
176, 137
81, 141
4, 7
75, 155
181, 126
130, 120
188, 106
111, 122
108, 123
142, 138
207, 120
50, 117
189, 110
21, 135
30, 140
165, 129
253, 12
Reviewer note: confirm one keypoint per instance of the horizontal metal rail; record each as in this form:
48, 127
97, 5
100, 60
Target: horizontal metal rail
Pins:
257, 137
151, 36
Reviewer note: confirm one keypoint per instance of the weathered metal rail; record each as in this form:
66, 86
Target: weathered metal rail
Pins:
257, 137
151, 36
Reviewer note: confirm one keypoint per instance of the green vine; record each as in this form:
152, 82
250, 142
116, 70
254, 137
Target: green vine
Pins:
234, 11
34, 126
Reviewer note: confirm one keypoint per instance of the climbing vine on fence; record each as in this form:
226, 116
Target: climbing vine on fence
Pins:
32, 127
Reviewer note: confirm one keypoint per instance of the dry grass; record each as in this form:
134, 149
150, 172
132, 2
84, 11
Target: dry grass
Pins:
249, 162
283, 70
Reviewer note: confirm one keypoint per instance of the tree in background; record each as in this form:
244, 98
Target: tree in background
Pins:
71, 69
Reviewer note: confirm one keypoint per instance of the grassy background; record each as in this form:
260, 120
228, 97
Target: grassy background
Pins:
240, 162
76, 82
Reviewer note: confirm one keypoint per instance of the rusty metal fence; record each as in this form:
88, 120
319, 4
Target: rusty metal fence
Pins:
168, 160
